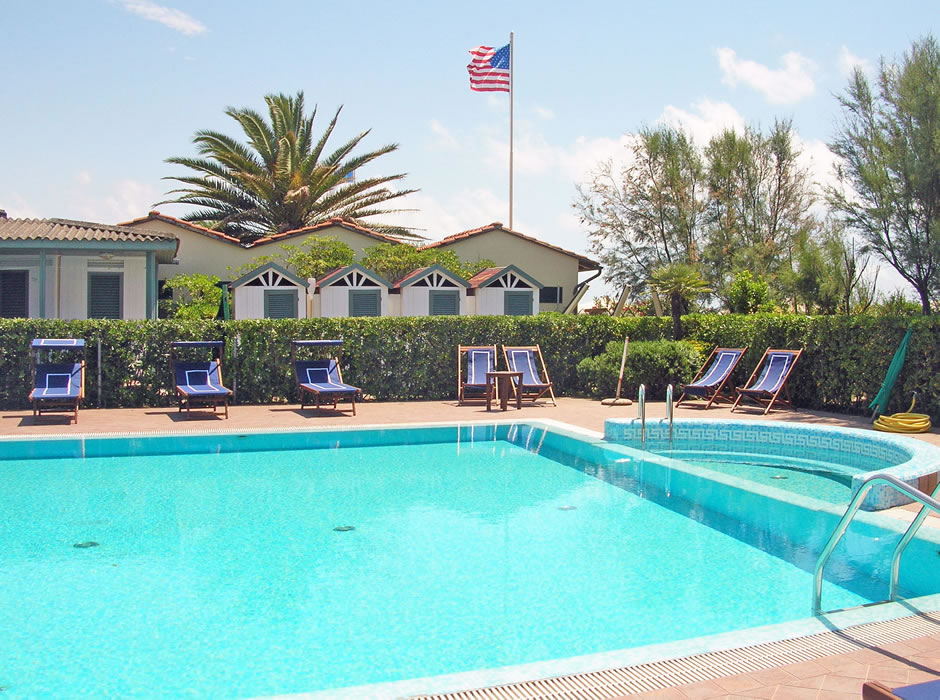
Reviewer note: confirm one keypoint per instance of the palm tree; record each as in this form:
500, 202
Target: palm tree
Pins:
281, 180
681, 282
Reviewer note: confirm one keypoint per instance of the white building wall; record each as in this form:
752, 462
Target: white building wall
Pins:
490, 300
334, 301
415, 301
395, 305
249, 301
135, 288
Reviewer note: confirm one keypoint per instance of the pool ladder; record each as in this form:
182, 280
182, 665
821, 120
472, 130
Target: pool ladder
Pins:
641, 411
927, 503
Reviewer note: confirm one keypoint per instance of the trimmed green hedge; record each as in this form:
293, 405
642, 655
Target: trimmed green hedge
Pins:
415, 357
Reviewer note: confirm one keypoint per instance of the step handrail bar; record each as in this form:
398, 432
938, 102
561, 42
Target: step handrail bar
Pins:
641, 412
670, 410
914, 494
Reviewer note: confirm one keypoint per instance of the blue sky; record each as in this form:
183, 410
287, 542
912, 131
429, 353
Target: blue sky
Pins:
97, 93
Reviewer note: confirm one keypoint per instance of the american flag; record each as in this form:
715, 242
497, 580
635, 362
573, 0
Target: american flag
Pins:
489, 69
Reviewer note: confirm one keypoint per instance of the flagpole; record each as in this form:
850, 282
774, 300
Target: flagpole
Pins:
512, 65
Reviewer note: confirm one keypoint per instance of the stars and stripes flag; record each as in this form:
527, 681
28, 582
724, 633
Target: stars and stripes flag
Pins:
489, 69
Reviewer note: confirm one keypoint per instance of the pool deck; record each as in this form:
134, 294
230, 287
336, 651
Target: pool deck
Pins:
832, 677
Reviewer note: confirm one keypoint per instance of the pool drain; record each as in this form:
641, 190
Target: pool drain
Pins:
567, 507
343, 528
84, 545
779, 476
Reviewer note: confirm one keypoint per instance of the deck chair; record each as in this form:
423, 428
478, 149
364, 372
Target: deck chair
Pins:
710, 381
775, 367
528, 360
57, 386
321, 378
873, 690
199, 383
473, 362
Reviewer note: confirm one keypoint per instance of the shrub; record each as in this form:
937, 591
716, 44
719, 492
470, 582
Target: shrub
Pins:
653, 363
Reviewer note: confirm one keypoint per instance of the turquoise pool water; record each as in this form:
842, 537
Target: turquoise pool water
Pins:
217, 569
807, 477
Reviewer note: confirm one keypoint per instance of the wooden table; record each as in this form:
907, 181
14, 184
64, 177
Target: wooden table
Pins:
503, 381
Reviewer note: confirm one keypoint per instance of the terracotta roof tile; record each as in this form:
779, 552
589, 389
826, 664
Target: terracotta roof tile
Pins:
157, 216
67, 230
584, 263
484, 276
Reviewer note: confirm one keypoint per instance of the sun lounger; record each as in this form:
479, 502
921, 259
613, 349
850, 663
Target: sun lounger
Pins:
528, 360
710, 381
57, 386
775, 368
199, 383
473, 362
929, 690
321, 378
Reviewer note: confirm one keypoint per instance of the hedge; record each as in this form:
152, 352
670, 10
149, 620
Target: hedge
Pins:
405, 358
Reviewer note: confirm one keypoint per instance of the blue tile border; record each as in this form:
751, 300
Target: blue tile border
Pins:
860, 452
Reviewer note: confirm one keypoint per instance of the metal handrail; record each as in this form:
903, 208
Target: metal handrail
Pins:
670, 410
641, 412
926, 501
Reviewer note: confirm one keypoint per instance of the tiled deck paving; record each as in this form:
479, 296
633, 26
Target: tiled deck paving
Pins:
832, 677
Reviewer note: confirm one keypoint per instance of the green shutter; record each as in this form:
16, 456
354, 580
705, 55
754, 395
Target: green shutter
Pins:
104, 295
280, 304
14, 293
443, 303
517, 303
364, 302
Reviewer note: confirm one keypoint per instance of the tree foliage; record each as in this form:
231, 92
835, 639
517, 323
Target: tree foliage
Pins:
393, 261
646, 215
195, 296
313, 258
283, 178
681, 283
889, 142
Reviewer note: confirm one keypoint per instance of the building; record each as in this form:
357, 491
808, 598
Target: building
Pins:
269, 291
430, 291
58, 268
555, 268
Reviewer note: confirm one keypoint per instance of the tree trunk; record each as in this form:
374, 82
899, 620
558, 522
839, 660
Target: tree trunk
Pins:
676, 308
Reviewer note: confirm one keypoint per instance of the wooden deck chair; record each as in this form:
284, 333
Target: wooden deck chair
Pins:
473, 362
528, 360
775, 367
57, 386
199, 383
710, 381
322, 378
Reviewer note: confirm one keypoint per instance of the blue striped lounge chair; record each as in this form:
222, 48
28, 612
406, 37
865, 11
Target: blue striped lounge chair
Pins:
321, 379
774, 369
473, 362
528, 360
710, 381
199, 383
57, 386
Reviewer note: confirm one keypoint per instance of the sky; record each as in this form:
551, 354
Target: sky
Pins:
98, 93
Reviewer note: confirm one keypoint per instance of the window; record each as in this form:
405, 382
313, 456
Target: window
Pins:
443, 303
14, 293
280, 303
105, 298
517, 303
365, 302
550, 295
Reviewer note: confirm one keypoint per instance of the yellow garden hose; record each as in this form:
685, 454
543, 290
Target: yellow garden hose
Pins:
904, 422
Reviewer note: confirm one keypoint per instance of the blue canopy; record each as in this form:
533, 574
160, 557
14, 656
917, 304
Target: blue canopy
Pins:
39, 343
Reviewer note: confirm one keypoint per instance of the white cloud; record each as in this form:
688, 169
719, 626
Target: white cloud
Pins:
786, 85
83, 177
706, 121
436, 218
544, 112
848, 62
445, 139
167, 16
126, 199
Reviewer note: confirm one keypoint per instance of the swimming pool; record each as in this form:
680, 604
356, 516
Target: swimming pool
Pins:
822, 462
255, 564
